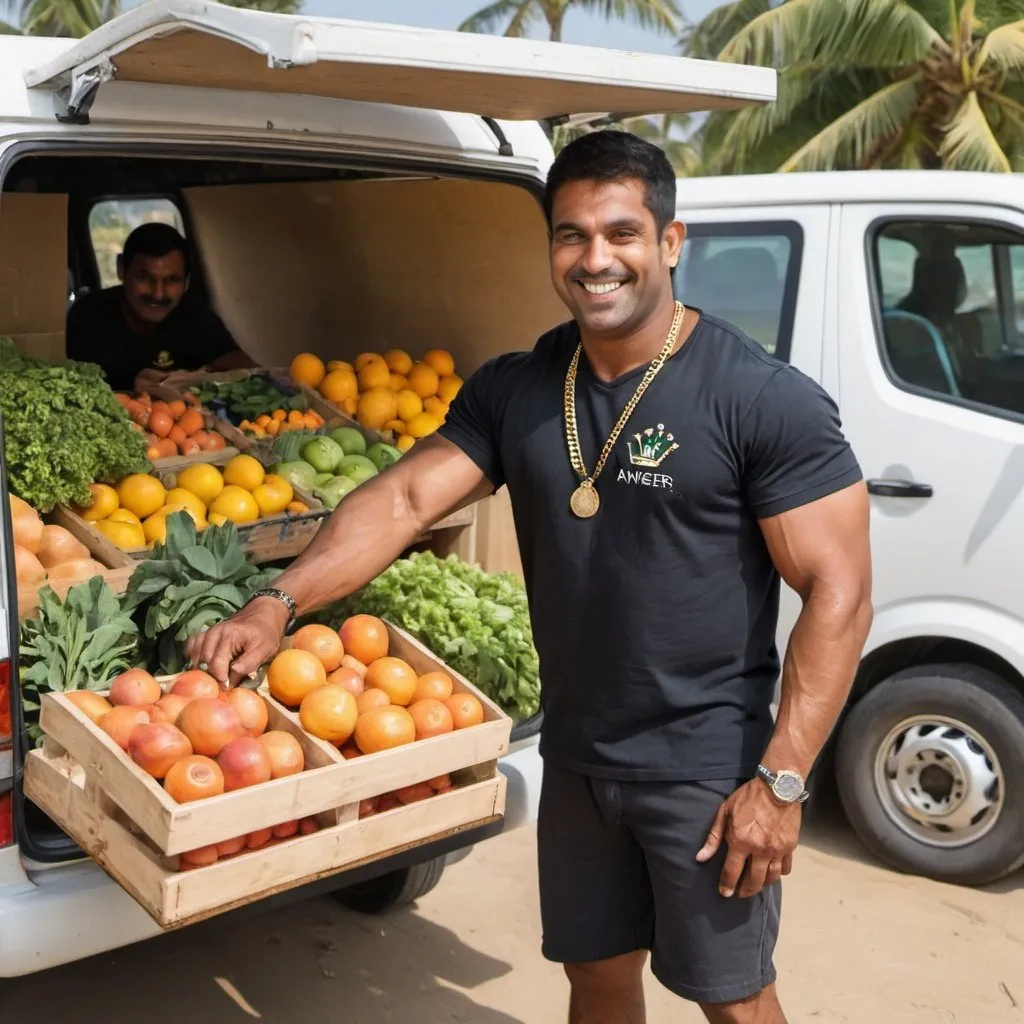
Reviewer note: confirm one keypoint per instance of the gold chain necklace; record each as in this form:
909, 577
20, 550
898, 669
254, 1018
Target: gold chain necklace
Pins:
584, 501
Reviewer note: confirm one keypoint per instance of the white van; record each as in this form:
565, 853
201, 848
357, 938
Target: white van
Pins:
334, 204
903, 294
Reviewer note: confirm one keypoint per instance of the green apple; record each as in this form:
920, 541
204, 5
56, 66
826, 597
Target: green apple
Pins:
349, 440
332, 492
322, 454
299, 473
383, 455
357, 467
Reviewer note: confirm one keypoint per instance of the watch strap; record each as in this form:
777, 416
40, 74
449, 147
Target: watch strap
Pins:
278, 595
770, 778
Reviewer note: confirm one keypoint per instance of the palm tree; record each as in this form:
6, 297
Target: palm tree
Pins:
870, 84
671, 133
519, 15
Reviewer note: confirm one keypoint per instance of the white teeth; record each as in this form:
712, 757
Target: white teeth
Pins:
601, 289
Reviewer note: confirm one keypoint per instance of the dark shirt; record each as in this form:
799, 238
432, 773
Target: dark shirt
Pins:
191, 337
655, 620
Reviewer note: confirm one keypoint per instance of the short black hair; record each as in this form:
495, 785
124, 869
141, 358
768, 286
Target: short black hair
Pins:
613, 156
155, 239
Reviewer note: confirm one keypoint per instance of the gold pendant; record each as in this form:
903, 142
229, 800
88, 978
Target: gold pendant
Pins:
584, 501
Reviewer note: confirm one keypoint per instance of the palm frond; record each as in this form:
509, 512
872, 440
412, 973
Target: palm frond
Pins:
706, 38
655, 15
1003, 48
845, 33
488, 18
969, 143
851, 140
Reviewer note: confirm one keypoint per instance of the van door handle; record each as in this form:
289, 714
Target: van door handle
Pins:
899, 489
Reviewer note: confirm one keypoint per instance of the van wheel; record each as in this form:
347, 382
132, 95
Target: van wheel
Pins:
394, 890
930, 770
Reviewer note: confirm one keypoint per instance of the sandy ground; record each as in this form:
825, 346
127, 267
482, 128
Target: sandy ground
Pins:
859, 945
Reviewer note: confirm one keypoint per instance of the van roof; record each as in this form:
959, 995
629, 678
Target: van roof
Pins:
802, 188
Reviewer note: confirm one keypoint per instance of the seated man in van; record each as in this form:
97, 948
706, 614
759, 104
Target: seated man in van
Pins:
149, 325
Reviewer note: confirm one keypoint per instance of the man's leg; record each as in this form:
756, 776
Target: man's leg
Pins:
714, 951
763, 1008
595, 897
607, 992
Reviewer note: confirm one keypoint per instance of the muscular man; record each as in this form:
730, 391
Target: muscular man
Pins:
148, 326
665, 473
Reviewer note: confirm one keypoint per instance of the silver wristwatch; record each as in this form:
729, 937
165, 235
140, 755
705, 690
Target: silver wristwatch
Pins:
787, 787
278, 595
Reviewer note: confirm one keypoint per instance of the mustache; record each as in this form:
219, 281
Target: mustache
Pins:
579, 275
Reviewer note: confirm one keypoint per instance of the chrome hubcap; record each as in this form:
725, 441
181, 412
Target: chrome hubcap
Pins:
939, 781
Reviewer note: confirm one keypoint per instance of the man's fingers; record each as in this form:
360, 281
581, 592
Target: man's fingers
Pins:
220, 657
756, 877
774, 873
714, 840
787, 863
731, 872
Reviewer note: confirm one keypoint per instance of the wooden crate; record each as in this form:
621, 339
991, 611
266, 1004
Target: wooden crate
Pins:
174, 898
330, 784
119, 564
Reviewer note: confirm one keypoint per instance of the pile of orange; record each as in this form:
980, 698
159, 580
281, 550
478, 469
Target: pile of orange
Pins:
280, 421
171, 428
352, 693
388, 392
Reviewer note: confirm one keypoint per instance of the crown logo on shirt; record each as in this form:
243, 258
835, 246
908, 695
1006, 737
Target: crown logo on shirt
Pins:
651, 447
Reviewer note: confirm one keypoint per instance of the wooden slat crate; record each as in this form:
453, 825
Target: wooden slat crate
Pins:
173, 898
120, 565
330, 784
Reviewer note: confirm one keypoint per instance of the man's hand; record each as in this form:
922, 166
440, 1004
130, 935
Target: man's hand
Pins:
147, 379
760, 834
235, 648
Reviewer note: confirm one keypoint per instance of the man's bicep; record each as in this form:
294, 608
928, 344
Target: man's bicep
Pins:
437, 478
826, 540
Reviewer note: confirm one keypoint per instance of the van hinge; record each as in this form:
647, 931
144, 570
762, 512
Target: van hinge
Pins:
504, 146
78, 97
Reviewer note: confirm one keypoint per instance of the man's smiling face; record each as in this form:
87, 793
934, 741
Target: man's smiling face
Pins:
609, 262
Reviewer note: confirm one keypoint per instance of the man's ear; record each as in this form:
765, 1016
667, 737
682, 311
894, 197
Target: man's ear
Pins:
672, 242
120, 267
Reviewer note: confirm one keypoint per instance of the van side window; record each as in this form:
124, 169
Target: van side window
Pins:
745, 273
951, 303
111, 221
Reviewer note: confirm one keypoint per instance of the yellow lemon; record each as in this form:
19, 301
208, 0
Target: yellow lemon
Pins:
398, 382
396, 425
423, 379
398, 361
124, 535
409, 404
244, 471
122, 515
188, 500
374, 375
203, 480
405, 442
376, 407
365, 358
141, 493
216, 519
448, 387
436, 407
237, 504
440, 360
422, 425
339, 385
307, 369
104, 501
273, 495
349, 406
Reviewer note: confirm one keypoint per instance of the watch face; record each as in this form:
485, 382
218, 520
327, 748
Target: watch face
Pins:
788, 787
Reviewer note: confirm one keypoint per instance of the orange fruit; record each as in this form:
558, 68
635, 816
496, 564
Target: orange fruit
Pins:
371, 699
294, 673
236, 504
409, 404
466, 710
448, 387
395, 677
367, 357
396, 426
374, 375
383, 728
431, 718
436, 408
405, 442
376, 407
440, 361
397, 382
365, 638
124, 535
339, 385
329, 713
104, 501
321, 641
350, 406
398, 361
307, 369
203, 480
340, 364
244, 471
187, 499
433, 684
422, 425
423, 379
141, 493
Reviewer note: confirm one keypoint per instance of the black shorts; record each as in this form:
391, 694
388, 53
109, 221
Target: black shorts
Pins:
618, 874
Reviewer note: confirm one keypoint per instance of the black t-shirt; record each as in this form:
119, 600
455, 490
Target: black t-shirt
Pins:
655, 620
191, 337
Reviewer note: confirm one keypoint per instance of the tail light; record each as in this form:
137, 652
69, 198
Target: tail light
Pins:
5, 704
6, 804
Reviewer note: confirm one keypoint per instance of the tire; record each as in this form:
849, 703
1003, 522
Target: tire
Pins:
392, 891
986, 841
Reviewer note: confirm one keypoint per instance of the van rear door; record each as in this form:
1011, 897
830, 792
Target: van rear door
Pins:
201, 44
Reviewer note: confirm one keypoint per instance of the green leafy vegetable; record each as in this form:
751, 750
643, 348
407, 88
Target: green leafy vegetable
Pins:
477, 622
288, 446
190, 582
64, 430
77, 644
247, 398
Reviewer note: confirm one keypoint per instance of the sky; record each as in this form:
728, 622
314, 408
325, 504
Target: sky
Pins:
579, 27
